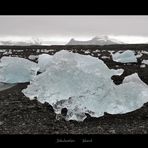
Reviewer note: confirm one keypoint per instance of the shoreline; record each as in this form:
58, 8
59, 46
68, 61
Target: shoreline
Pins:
5, 86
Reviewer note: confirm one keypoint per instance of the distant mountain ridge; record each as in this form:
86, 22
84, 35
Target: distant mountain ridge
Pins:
33, 41
98, 40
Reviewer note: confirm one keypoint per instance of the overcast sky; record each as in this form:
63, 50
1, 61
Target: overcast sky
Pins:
79, 27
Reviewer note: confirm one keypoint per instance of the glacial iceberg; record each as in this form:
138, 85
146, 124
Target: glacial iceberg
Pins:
43, 61
125, 57
129, 96
80, 83
17, 70
83, 84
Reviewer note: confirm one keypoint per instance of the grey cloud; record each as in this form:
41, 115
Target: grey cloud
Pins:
73, 25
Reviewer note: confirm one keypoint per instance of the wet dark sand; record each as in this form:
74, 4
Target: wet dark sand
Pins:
20, 115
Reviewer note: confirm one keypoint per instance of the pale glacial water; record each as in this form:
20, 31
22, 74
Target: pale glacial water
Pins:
4, 86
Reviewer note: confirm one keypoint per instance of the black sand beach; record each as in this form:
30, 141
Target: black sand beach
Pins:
20, 115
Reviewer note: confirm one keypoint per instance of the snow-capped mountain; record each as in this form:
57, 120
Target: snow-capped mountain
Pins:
98, 40
33, 41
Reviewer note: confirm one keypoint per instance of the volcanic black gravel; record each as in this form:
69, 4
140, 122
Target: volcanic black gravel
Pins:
20, 115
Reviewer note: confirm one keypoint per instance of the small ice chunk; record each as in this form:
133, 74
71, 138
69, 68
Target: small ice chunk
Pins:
105, 57
43, 61
96, 51
144, 52
142, 66
111, 51
145, 62
87, 51
33, 57
125, 57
